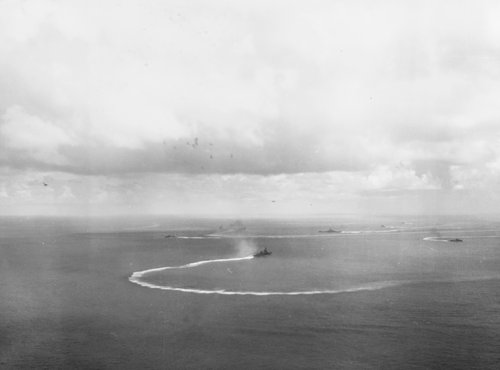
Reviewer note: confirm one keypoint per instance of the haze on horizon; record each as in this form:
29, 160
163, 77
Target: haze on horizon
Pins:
249, 107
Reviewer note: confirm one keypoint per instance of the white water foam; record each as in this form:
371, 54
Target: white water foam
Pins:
448, 240
199, 237
136, 279
288, 236
436, 239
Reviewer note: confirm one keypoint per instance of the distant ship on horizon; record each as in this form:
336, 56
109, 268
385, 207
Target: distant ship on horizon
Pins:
263, 253
329, 231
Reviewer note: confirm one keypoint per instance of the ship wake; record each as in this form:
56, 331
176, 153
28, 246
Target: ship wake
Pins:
137, 278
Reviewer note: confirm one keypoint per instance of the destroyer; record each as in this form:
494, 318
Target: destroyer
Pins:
329, 231
263, 253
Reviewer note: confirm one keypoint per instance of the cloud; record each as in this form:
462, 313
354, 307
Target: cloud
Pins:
29, 134
389, 97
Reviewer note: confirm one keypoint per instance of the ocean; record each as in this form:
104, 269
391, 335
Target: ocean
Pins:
378, 292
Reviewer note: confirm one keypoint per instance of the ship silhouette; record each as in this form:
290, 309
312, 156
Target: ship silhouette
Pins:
329, 231
263, 253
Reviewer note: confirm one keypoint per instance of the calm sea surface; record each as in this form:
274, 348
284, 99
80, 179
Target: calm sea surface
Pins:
154, 293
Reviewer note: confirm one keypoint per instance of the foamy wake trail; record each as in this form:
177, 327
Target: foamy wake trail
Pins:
443, 239
136, 279
139, 274
199, 237
288, 236
435, 239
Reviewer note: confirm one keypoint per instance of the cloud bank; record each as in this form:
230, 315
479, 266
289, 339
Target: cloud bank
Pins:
398, 96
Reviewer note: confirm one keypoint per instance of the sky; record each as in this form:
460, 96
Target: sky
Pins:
249, 108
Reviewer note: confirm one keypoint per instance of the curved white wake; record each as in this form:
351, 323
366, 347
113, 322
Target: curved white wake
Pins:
436, 239
287, 236
447, 240
136, 279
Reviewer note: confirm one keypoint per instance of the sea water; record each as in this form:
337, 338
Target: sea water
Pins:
384, 292
314, 262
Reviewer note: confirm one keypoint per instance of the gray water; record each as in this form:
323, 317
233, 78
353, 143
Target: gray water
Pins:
392, 296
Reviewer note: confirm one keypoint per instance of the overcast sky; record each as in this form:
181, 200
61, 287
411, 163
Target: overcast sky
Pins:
249, 107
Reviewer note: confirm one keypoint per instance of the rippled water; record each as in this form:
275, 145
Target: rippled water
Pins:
320, 263
384, 293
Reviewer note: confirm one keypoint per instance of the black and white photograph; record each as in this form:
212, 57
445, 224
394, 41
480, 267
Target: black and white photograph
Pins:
249, 184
